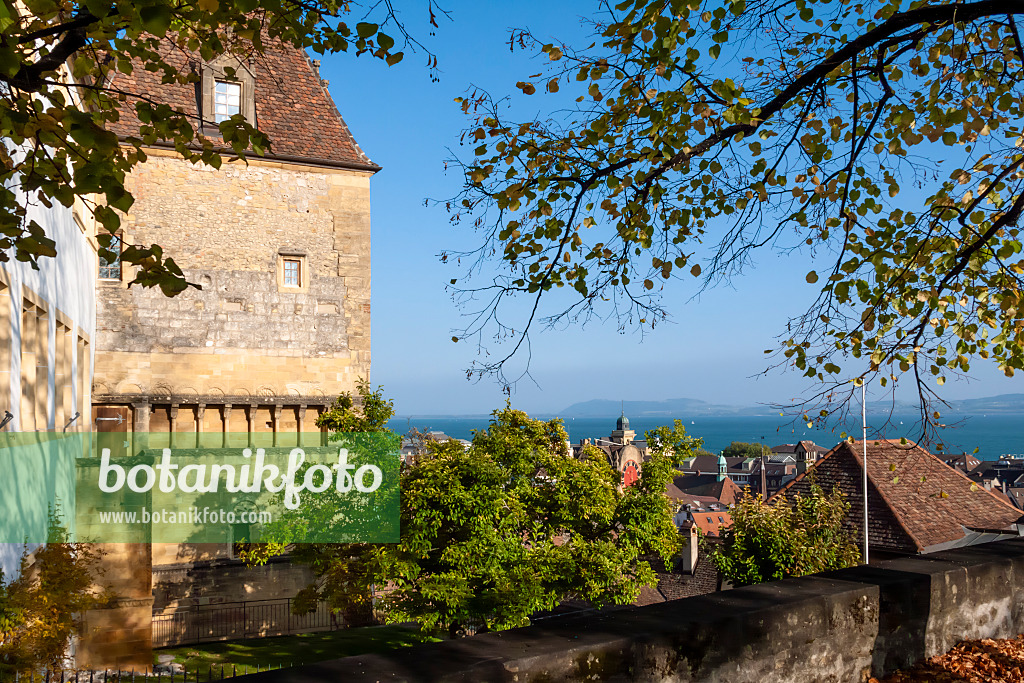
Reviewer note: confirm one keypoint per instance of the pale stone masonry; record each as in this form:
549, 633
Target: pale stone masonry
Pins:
243, 338
280, 246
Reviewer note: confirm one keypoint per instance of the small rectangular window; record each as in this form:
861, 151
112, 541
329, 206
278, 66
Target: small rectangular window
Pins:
227, 100
111, 270
292, 273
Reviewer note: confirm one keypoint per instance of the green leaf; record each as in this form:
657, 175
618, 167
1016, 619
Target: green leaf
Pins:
10, 61
156, 19
365, 29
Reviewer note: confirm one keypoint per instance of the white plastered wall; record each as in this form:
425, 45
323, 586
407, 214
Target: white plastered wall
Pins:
65, 283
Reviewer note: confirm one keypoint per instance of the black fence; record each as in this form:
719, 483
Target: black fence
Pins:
237, 620
209, 674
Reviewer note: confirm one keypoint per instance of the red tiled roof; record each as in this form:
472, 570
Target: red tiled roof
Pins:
725, 491
1001, 496
292, 107
708, 521
915, 501
672, 491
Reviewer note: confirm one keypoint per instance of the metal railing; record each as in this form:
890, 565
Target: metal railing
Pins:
208, 674
237, 620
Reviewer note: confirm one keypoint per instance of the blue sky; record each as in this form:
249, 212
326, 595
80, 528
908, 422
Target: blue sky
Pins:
711, 349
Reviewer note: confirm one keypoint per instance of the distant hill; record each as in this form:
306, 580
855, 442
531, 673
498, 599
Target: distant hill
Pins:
671, 407
1002, 404
1005, 404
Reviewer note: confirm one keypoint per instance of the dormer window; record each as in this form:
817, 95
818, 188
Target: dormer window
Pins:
228, 88
227, 100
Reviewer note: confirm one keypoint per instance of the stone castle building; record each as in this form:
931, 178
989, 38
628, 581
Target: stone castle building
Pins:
280, 246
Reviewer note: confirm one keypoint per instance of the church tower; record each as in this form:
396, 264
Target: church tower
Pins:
623, 434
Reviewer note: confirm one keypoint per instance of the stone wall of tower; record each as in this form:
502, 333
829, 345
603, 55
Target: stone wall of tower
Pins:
120, 636
246, 353
242, 338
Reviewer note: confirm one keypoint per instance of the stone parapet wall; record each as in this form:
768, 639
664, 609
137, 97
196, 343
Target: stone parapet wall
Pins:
842, 626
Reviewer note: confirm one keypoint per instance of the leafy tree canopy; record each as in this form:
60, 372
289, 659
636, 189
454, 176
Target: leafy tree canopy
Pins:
512, 526
774, 540
369, 414
57, 62
741, 449
882, 138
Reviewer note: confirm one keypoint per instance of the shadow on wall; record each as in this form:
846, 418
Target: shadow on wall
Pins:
904, 606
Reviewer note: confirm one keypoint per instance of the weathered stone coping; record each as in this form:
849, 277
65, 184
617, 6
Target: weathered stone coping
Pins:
841, 626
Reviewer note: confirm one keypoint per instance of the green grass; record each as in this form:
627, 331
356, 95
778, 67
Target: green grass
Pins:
292, 650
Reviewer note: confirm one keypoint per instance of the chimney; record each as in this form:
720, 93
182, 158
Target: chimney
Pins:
690, 552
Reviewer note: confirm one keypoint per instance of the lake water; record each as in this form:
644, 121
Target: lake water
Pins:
992, 435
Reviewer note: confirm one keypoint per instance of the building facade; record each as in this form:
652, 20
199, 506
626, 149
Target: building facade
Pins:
47, 329
279, 245
625, 452
278, 327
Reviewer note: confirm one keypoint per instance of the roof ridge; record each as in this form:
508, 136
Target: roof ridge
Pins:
803, 474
